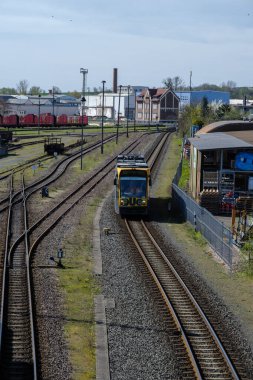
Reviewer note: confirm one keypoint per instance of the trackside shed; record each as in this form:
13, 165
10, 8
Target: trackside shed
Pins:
222, 166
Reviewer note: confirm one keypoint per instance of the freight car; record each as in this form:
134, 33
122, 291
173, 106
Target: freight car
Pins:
53, 145
10, 121
132, 185
45, 120
28, 120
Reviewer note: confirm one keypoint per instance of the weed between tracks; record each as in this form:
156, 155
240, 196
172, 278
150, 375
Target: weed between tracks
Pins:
80, 288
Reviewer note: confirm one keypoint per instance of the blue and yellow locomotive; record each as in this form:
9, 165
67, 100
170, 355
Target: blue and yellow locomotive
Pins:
132, 185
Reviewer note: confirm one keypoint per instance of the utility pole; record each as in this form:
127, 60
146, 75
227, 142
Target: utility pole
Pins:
117, 135
83, 100
82, 105
128, 88
102, 121
39, 116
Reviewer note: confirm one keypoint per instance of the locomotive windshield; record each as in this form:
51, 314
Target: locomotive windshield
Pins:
133, 186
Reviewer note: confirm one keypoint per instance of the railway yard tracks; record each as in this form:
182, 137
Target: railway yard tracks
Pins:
18, 347
56, 173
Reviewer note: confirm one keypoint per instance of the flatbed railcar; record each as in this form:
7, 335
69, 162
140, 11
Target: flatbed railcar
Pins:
132, 185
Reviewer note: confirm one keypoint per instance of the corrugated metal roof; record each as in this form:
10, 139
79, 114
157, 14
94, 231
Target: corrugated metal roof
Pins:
226, 125
246, 136
219, 140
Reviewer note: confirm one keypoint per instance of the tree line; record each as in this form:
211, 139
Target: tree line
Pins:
177, 84
23, 88
205, 113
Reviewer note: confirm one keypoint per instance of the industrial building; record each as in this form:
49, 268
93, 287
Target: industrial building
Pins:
157, 105
121, 103
195, 97
56, 104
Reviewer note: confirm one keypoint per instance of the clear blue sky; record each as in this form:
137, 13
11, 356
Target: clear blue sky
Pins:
46, 42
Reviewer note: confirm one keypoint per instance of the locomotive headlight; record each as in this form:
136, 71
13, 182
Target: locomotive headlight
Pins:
143, 202
122, 202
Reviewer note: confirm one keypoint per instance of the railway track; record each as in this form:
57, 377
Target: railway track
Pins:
198, 346
17, 344
6, 173
17, 335
52, 176
207, 358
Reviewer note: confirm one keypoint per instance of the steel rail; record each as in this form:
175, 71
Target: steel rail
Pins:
197, 306
168, 304
7, 240
29, 285
23, 309
187, 338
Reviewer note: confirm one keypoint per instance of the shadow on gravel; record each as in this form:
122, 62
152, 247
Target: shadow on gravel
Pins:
160, 211
8, 155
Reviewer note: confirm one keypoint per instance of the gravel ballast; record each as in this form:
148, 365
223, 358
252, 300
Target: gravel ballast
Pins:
139, 346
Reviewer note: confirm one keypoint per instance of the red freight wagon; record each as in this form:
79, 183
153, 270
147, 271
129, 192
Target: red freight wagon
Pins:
62, 120
11, 120
85, 120
72, 120
29, 119
47, 119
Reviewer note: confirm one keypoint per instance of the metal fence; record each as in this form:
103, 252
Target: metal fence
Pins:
218, 235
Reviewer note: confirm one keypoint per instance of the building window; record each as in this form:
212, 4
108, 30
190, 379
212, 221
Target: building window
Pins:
139, 115
154, 106
139, 106
155, 116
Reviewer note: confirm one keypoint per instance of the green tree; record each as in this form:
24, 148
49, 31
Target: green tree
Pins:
56, 90
204, 107
174, 84
22, 87
35, 90
8, 91
75, 94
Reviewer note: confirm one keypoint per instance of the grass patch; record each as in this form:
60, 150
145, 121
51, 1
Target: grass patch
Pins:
195, 235
80, 287
246, 263
185, 176
168, 168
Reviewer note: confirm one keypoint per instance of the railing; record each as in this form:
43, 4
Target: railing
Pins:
218, 235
